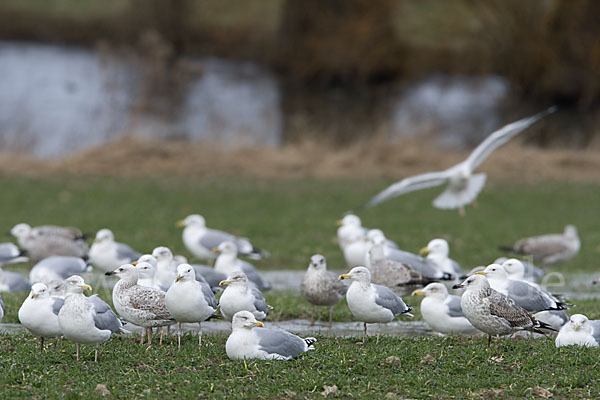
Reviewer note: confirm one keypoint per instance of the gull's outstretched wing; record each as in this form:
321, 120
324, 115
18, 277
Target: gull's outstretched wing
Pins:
501, 136
410, 184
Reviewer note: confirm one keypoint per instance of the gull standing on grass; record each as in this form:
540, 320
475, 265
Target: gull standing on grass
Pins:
200, 240
442, 311
372, 303
321, 287
249, 339
492, 312
107, 254
86, 320
166, 267
42, 243
579, 331
57, 268
238, 296
227, 262
463, 186
189, 300
548, 249
39, 313
141, 305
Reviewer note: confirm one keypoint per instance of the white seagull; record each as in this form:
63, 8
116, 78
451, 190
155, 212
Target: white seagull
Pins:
189, 300
200, 240
86, 320
227, 262
107, 254
372, 303
463, 185
579, 331
249, 339
57, 268
239, 296
39, 313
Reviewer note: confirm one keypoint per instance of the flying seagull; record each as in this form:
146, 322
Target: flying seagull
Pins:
463, 186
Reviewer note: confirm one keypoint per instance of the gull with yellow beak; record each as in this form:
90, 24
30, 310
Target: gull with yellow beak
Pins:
189, 300
39, 313
86, 320
442, 311
438, 252
249, 339
200, 240
579, 331
107, 254
228, 262
239, 296
371, 303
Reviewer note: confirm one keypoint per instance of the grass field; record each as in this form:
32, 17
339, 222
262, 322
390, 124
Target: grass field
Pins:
294, 219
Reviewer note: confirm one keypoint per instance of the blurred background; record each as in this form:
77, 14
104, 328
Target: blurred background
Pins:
81, 74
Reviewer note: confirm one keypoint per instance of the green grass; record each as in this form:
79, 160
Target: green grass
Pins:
294, 219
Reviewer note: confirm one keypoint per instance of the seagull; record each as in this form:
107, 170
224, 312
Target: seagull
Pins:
522, 293
372, 303
40, 243
166, 267
21, 230
492, 312
39, 313
321, 287
107, 254
140, 305
249, 339
463, 186
347, 226
57, 268
13, 282
227, 262
442, 311
10, 254
525, 272
86, 320
391, 273
579, 331
356, 248
189, 300
549, 249
438, 251
1, 308
239, 296
200, 240
428, 266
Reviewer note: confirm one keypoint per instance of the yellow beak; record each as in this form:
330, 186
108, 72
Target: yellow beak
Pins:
481, 273
224, 282
418, 293
134, 263
178, 278
577, 326
86, 287
215, 250
180, 224
33, 295
339, 222
344, 276
259, 324
424, 251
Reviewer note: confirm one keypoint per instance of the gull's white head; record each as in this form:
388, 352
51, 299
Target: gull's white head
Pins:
185, 273
244, 320
126, 272
20, 230
39, 291
474, 282
236, 278
514, 268
375, 234
493, 271
570, 231
104, 235
76, 284
358, 274
226, 248
350, 220
179, 259
436, 247
162, 253
435, 290
194, 220
145, 269
148, 258
377, 252
579, 322
317, 263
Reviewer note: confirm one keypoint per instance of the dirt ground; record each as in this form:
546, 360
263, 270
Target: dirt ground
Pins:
132, 157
